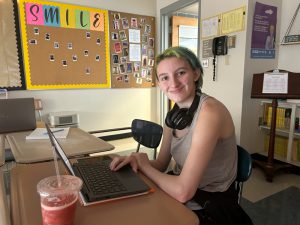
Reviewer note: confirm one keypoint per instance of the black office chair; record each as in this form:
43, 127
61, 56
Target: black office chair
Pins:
146, 133
244, 169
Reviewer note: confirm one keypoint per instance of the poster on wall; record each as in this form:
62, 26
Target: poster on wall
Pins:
264, 31
64, 46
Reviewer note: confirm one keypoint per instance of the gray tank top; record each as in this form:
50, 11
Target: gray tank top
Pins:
221, 170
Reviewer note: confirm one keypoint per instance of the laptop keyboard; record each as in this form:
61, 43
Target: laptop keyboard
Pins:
100, 178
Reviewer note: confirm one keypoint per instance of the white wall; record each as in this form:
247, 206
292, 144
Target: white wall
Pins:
103, 108
229, 75
289, 54
251, 136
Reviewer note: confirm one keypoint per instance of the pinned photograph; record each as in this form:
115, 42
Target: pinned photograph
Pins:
117, 16
124, 51
122, 68
36, 31
97, 57
117, 46
56, 45
147, 29
114, 36
87, 70
74, 58
150, 62
136, 66
145, 38
142, 21
144, 73
123, 59
151, 42
115, 70
134, 23
144, 60
88, 34
125, 23
119, 78
116, 25
149, 72
64, 63
150, 53
129, 67
47, 37
144, 49
123, 36
51, 57
139, 80
70, 45
126, 78
115, 58
33, 42
125, 44
136, 75
98, 41
149, 79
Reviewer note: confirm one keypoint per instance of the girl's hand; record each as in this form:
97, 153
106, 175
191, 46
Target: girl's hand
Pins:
142, 160
119, 161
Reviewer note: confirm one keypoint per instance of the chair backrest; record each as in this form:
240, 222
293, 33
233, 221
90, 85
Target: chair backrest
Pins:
146, 133
244, 165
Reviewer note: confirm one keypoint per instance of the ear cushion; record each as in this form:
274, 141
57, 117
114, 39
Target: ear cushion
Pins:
179, 118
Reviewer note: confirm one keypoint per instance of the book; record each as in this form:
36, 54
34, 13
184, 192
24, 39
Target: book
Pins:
41, 133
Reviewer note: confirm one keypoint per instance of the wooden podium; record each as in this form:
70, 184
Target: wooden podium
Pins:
293, 92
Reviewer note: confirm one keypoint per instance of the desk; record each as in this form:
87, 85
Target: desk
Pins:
156, 208
77, 143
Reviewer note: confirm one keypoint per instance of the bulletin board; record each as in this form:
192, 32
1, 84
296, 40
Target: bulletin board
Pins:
132, 50
64, 46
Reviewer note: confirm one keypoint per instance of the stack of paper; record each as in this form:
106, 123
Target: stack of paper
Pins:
41, 133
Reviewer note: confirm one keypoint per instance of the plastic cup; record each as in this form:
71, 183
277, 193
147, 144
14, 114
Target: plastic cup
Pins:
58, 202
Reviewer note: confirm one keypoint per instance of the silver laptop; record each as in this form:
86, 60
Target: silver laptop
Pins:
17, 114
100, 184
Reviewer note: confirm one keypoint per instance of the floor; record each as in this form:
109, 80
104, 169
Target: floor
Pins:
257, 188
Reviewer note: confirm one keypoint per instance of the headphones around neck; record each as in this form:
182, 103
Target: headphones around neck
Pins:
180, 118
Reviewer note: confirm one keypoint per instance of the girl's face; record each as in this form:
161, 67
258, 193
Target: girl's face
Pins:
177, 79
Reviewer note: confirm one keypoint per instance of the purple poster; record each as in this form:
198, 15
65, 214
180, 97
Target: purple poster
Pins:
264, 31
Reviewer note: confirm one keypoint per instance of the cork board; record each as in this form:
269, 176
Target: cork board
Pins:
64, 46
132, 50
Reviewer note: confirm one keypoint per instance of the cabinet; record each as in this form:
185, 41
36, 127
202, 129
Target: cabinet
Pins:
287, 139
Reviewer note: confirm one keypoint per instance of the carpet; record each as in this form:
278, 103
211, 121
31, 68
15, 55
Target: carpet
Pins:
281, 208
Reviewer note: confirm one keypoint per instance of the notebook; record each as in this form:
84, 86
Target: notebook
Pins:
17, 114
95, 174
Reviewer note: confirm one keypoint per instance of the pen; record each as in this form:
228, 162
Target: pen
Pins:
55, 131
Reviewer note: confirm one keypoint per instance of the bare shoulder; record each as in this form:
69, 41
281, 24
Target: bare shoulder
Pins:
215, 112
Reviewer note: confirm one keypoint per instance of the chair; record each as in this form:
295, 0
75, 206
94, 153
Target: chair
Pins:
244, 169
146, 133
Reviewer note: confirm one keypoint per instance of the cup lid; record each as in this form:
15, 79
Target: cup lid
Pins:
49, 185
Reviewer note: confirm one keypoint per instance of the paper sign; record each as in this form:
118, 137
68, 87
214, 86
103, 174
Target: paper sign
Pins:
275, 83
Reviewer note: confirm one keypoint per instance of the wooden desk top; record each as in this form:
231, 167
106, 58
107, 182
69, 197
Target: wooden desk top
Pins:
156, 208
77, 143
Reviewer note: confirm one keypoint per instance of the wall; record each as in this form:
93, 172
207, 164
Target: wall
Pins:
228, 86
103, 108
289, 53
251, 136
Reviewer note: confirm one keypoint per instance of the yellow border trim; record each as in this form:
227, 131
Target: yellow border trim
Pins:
29, 85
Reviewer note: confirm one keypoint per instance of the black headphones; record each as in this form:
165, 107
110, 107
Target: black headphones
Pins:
180, 118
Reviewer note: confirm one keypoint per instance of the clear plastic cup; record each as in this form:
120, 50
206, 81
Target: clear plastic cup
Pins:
58, 202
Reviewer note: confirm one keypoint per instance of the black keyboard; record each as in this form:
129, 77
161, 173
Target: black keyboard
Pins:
99, 177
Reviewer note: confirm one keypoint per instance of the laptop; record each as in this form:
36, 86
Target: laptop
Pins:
17, 114
100, 184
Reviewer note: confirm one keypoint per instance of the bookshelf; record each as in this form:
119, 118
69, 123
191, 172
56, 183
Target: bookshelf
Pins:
287, 113
276, 85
